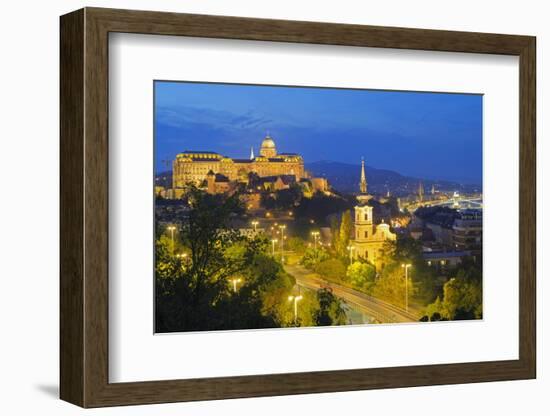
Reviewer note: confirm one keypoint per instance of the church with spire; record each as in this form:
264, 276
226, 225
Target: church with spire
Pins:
368, 238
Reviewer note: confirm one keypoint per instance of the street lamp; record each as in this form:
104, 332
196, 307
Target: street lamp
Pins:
315, 235
172, 228
406, 267
282, 228
235, 281
273, 242
351, 248
296, 299
183, 257
255, 225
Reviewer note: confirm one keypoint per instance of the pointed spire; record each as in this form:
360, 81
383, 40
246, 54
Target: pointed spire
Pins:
252, 153
363, 184
420, 191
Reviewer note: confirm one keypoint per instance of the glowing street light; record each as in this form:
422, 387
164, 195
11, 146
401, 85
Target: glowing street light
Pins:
172, 228
406, 267
296, 299
315, 235
235, 281
255, 225
183, 258
282, 228
273, 242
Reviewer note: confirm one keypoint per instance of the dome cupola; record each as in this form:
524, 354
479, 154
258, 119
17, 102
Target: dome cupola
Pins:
268, 148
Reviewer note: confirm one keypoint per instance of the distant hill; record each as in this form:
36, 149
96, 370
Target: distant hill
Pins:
345, 177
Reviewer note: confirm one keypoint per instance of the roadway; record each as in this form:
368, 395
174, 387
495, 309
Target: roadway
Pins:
381, 311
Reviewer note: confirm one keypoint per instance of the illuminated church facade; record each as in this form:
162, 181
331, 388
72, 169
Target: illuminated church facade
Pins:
368, 238
195, 166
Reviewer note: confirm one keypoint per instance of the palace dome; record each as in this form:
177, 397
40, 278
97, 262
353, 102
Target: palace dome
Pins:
268, 143
268, 147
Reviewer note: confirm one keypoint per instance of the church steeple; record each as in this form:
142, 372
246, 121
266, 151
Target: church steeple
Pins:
420, 191
363, 183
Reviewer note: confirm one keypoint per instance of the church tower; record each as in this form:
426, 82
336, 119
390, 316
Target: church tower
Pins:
363, 196
363, 183
368, 239
420, 191
364, 226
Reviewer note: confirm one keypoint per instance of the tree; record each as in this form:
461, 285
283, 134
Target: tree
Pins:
361, 276
332, 269
345, 233
253, 180
409, 251
462, 297
390, 286
196, 293
320, 206
296, 244
335, 232
312, 257
330, 311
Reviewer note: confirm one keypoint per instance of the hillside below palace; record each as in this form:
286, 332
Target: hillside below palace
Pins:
195, 166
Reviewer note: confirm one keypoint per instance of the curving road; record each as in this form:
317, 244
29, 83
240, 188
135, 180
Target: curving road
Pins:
383, 312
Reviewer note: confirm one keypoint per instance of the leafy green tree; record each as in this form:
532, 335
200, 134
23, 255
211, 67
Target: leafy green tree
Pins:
296, 244
390, 286
330, 311
361, 276
320, 206
282, 199
332, 269
196, 293
345, 233
335, 232
462, 297
409, 251
312, 257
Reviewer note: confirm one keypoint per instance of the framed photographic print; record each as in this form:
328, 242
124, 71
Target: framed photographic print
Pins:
255, 207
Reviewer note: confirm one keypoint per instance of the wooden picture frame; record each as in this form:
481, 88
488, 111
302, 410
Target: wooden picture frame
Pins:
84, 207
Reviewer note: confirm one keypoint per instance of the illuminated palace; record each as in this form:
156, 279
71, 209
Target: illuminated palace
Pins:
195, 166
368, 239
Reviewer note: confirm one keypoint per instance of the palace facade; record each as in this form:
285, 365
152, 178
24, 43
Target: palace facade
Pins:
195, 166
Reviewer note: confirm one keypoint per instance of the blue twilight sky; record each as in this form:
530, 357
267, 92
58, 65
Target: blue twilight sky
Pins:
426, 135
